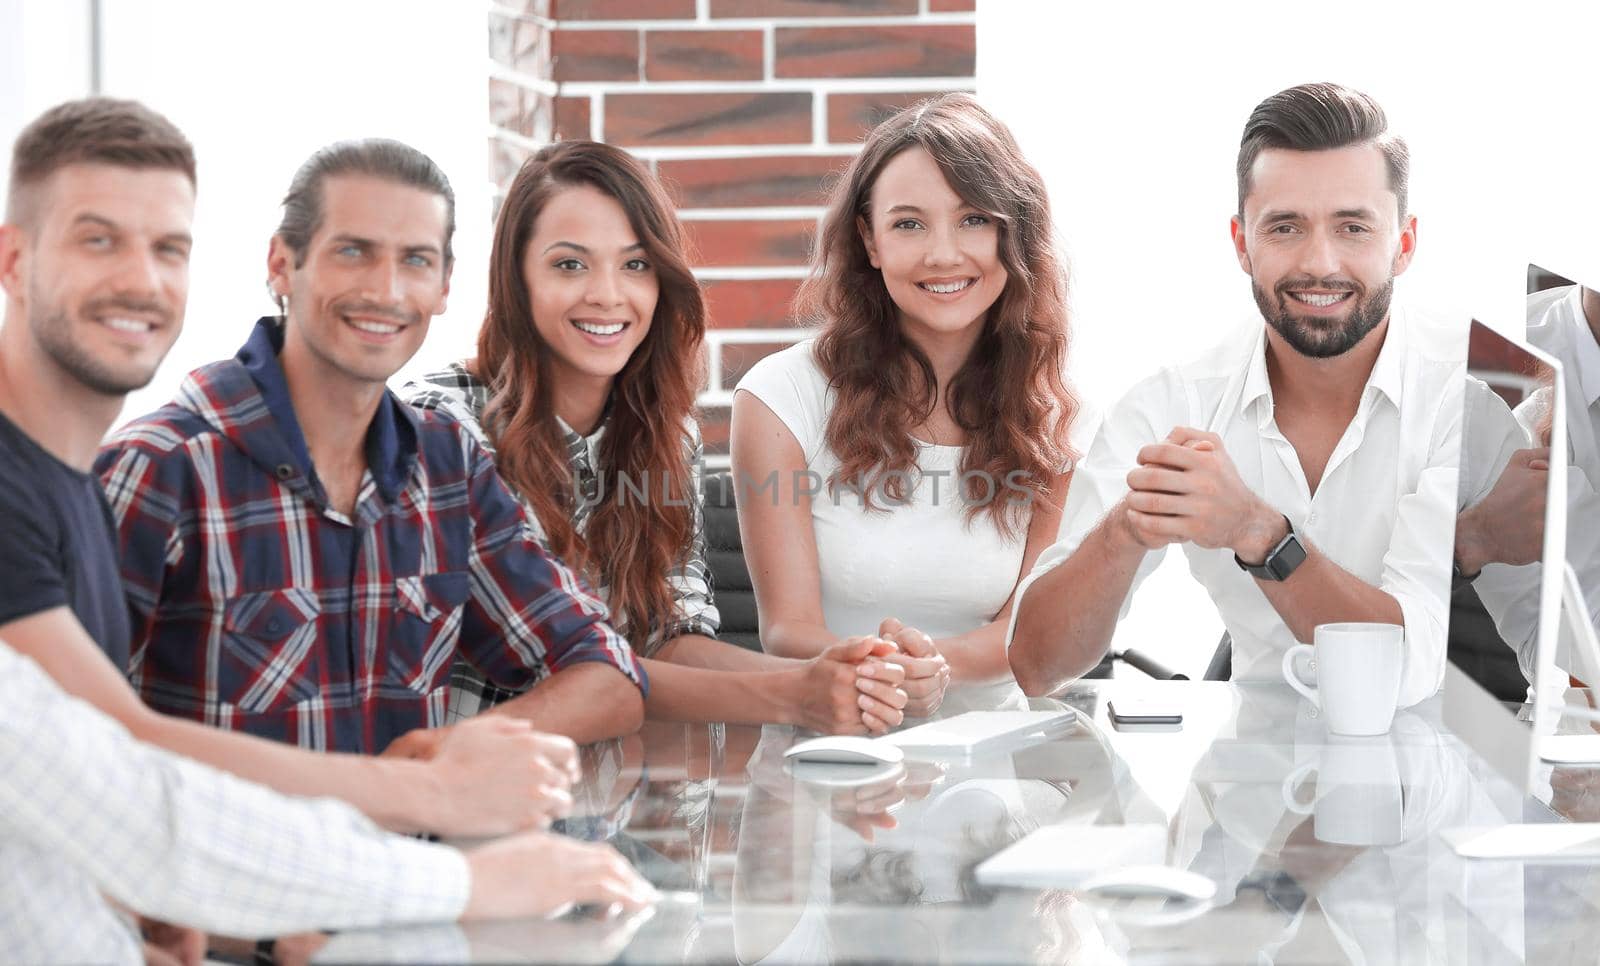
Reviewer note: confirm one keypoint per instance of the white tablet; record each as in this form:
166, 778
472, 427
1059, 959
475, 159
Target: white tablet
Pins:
979, 731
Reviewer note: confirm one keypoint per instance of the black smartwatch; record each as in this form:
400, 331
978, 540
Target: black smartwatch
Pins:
1281, 561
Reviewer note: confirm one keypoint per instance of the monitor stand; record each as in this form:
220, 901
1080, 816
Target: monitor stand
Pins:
1584, 748
1551, 842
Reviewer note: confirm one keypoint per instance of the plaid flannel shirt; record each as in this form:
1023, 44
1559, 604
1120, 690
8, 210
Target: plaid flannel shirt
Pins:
258, 607
455, 392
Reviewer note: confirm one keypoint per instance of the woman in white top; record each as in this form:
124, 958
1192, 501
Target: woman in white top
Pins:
901, 472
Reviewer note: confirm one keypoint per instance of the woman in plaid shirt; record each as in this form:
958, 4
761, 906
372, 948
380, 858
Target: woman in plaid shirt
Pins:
583, 388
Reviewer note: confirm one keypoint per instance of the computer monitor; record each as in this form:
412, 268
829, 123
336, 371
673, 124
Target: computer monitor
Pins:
1510, 553
1563, 320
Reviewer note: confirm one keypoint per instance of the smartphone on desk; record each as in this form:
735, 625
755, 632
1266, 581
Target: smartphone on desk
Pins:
1130, 713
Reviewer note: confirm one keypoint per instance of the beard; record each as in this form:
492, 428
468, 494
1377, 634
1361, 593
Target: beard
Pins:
53, 330
1323, 338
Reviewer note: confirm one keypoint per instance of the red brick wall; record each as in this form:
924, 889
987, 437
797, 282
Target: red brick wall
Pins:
744, 107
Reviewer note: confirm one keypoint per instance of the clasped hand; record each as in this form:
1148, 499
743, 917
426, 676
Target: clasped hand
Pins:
1186, 490
871, 683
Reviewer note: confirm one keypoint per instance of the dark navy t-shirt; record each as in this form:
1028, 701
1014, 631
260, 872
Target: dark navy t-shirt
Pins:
57, 544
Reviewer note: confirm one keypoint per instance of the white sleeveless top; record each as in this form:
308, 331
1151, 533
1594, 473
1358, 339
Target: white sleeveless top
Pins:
920, 562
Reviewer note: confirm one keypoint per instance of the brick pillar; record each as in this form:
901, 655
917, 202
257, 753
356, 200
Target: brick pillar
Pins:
522, 94
745, 108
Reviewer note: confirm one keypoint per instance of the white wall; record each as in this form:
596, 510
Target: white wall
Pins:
1133, 112
44, 59
257, 87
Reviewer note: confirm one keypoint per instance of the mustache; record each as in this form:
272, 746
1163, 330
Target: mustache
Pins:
129, 306
1332, 283
391, 313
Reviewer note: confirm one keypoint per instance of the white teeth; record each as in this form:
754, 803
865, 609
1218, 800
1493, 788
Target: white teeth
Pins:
128, 325
376, 328
945, 288
595, 328
1321, 301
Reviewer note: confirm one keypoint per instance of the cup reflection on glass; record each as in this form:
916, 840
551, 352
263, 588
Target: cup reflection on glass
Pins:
1357, 673
1358, 798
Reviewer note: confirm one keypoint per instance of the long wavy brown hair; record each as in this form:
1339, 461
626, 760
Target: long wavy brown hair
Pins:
1011, 397
630, 544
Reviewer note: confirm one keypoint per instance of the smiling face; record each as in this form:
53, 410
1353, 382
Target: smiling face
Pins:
372, 278
939, 256
591, 285
103, 275
1322, 241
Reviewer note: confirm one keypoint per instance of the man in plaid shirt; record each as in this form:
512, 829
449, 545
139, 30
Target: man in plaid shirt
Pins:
304, 555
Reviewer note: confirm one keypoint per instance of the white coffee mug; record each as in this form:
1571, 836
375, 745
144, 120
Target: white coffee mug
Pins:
1359, 800
1358, 675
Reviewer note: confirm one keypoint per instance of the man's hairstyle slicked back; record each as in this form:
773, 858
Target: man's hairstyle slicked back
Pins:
381, 158
1322, 117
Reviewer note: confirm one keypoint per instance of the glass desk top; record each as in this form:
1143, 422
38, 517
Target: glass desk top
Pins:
1323, 849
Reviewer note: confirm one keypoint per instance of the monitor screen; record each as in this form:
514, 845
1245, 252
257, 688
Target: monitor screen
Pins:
1563, 320
1501, 597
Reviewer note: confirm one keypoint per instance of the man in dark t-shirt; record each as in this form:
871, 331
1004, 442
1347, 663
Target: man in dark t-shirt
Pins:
59, 543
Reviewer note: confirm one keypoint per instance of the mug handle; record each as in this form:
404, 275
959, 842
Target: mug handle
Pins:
1291, 801
1294, 679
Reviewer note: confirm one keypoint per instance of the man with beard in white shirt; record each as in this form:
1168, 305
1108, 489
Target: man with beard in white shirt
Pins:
1307, 468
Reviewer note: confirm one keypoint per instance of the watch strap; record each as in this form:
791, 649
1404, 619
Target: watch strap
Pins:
1281, 561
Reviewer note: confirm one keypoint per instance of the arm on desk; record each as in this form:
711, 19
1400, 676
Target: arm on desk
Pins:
1067, 614
1322, 592
465, 790
587, 702
847, 689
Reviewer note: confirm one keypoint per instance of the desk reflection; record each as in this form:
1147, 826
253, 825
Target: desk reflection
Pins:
1300, 833
819, 863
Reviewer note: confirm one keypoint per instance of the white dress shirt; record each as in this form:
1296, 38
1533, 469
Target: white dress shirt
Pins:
86, 809
1384, 510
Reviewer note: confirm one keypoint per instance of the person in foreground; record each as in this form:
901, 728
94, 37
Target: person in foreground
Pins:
583, 389
898, 473
94, 260
304, 555
87, 810
1306, 467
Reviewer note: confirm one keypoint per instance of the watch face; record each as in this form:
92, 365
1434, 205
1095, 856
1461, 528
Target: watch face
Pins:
1286, 557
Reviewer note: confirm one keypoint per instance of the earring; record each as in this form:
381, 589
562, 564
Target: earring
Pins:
280, 299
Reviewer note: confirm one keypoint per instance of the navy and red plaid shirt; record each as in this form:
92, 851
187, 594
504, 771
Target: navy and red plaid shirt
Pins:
258, 607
